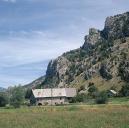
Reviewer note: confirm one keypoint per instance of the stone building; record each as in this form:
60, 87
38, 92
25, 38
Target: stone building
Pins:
53, 96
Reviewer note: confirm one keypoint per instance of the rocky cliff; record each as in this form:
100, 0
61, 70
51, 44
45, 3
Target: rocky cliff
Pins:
103, 59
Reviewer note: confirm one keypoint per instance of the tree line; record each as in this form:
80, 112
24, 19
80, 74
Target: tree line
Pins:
15, 97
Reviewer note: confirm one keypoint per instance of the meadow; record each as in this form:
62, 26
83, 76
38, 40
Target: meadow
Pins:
112, 115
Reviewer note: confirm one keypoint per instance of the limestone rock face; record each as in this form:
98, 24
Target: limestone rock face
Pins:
56, 70
91, 39
100, 60
116, 27
57, 67
96, 57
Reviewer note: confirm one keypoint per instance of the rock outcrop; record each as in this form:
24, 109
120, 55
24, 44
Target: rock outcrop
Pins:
99, 60
93, 37
117, 27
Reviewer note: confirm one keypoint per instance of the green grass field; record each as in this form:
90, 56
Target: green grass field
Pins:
113, 115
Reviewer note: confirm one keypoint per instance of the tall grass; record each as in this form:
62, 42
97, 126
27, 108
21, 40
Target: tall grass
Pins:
83, 116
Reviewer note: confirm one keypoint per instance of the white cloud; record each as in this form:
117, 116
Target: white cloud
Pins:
60, 25
14, 80
12, 1
22, 49
33, 47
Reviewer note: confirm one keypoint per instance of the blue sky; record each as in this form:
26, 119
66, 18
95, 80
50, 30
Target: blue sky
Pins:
32, 32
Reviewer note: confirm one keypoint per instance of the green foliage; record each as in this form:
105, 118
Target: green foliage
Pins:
104, 73
101, 98
73, 55
32, 100
79, 98
92, 91
70, 78
87, 75
124, 90
125, 28
123, 70
17, 96
94, 62
3, 99
104, 48
124, 55
92, 88
83, 53
81, 88
28, 93
72, 68
77, 55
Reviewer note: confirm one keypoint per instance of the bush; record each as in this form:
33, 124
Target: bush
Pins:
3, 99
9, 107
101, 98
79, 98
124, 90
32, 100
28, 93
104, 72
92, 90
82, 88
17, 96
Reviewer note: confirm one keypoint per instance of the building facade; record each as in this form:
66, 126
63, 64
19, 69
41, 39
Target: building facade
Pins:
53, 96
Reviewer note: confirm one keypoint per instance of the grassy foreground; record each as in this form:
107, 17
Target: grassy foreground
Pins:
80, 116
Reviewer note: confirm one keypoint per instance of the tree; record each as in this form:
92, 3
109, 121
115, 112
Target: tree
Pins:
79, 98
124, 90
3, 99
81, 88
29, 96
28, 93
92, 90
32, 100
101, 98
17, 96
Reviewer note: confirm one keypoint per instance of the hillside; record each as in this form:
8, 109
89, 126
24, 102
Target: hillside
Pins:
2, 89
103, 59
35, 82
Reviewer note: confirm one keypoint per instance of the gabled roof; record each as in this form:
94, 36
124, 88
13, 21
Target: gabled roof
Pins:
113, 91
55, 92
